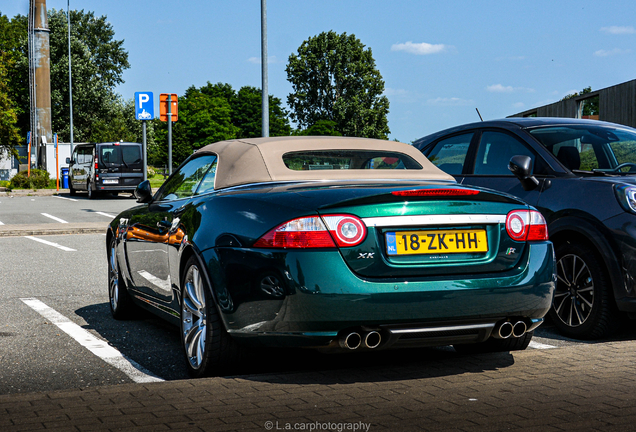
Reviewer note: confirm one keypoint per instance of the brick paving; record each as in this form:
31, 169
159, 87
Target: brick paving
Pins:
584, 387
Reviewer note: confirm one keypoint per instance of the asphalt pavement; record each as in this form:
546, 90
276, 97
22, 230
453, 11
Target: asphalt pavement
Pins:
27, 227
588, 386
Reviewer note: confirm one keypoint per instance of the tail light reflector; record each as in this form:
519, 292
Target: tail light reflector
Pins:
526, 225
315, 232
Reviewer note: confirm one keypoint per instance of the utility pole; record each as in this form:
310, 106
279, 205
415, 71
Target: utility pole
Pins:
40, 73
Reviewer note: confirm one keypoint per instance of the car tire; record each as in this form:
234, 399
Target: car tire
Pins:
91, 193
208, 348
496, 345
583, 304
71, 189
121, 304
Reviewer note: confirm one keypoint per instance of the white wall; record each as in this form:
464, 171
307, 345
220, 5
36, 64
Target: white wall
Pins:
63, 151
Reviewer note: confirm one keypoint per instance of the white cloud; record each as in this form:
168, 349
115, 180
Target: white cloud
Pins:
453, 101
420, 48
607, 53
618, 30
499, 88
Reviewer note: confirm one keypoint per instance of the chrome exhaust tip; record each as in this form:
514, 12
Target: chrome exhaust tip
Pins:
519, 329
372, 339
351, 341
505, 330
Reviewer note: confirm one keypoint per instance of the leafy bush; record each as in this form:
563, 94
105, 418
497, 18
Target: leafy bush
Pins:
39, 180
4, 183
150, 172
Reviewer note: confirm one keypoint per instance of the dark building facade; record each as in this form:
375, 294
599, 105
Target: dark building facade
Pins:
616, 104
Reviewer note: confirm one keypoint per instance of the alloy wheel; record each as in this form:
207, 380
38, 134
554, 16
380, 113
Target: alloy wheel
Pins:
113, 278
194, 318
573, 300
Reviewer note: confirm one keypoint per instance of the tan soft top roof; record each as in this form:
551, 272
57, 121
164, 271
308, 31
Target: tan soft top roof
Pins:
256, 160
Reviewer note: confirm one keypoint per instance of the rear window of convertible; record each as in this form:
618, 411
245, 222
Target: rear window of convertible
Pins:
348, 160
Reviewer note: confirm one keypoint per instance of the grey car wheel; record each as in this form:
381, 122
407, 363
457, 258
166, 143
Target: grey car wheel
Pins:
121, 304
194, 319
583, 306
208, 348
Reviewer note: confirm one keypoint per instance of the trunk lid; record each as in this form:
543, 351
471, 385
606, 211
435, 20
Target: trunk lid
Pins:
432, 235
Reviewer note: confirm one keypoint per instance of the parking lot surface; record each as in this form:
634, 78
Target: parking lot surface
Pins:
587, 387
66, 365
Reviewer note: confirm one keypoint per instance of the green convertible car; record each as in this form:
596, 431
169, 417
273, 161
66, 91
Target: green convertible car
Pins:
333, 243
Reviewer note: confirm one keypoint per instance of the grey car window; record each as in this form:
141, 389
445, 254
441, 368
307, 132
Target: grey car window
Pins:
449, 154
494, 153
184, 182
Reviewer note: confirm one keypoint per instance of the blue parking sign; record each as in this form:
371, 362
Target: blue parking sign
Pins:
144, 106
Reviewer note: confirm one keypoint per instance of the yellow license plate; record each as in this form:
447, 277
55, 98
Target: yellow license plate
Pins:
436, 242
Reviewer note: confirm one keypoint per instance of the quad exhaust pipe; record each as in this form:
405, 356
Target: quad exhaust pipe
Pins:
507, 329
355, 340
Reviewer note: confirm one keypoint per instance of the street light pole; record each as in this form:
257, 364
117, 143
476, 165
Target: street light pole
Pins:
265, 91
70, 79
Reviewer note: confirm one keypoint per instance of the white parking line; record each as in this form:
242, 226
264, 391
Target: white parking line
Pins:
64, 248
95, 345
54, 218
1, 223
61, 197
106, 214
537, 345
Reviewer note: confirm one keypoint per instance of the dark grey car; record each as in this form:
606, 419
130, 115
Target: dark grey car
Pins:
581, 175
105, 167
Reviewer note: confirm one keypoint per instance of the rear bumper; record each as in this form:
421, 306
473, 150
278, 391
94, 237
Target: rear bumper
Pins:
319, 297
115, 188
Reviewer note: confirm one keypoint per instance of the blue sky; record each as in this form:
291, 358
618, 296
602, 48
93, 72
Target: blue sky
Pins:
439, 59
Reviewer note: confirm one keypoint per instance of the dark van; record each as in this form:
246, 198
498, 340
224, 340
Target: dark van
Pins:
105, 167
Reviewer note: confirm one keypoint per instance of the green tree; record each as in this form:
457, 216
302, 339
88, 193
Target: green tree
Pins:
9, 133
121, 125
247, 114
203, 119
334, 78
321, 127
98, 61
247, 110
15, 81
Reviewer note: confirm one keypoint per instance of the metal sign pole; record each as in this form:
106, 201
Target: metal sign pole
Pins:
57, 164
143, 128
169, 133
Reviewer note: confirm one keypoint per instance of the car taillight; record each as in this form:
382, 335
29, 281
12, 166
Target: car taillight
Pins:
315, 232
347, 230
526, 225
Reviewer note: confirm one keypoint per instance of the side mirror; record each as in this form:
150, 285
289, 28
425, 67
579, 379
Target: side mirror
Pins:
143, 192
520, 166
69, 161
